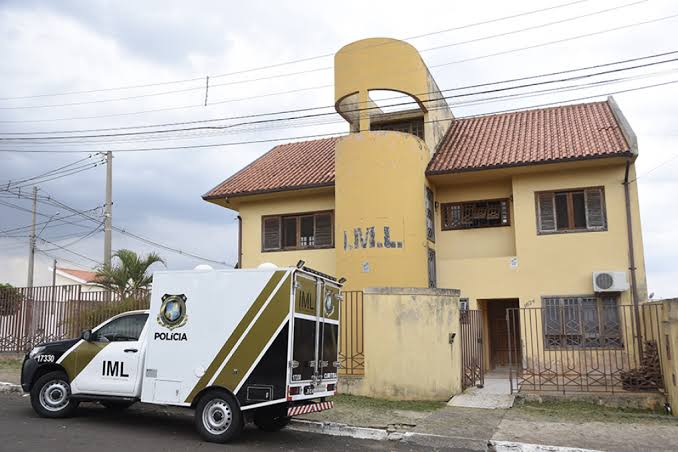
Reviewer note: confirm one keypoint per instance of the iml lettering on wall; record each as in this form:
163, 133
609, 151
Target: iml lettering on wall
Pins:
368, 240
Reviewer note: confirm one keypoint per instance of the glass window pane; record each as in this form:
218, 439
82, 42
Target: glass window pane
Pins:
579, 205
306, 231
126, 328
290, 232
562, 218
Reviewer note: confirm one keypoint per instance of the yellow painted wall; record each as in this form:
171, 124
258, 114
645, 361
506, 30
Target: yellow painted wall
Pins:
474, 243
380, 184
407, 351
556, 264
287, 203
668, 347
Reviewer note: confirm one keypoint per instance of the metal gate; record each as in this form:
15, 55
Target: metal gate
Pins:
585, 344
472, 365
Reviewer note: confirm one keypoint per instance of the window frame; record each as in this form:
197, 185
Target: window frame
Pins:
430, 213
391, 125
444, 206
600, 300
569, 191
298, 216
97, 332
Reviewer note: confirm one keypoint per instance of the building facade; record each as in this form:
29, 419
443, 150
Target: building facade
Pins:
517, 210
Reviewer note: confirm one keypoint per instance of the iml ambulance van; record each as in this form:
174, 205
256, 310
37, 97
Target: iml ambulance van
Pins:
254, 345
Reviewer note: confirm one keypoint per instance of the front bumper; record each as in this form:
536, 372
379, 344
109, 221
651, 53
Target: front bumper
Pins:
27, 372
309, 408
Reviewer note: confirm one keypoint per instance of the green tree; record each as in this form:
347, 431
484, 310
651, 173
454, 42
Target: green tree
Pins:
10, 299
129, 275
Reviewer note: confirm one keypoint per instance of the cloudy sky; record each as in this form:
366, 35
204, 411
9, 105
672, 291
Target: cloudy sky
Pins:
165, 49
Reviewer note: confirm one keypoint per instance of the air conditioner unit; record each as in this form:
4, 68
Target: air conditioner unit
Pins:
610, 282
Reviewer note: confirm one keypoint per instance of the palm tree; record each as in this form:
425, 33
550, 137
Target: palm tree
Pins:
129, 275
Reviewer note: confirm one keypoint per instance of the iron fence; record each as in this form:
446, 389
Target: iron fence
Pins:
351, 353
583, 344
29, 316
472, 367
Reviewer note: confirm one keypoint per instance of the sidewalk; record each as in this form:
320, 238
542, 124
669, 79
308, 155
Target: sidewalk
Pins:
565, 424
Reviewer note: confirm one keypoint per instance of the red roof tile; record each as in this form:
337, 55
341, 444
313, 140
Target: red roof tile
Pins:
285, 167
543, 135
84, 275
526, 137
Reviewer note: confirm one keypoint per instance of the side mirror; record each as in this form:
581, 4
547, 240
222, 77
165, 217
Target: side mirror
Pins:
86, 335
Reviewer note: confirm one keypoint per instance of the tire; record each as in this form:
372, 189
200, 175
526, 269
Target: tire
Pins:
115, 405
272, 419
218, 417
51, 396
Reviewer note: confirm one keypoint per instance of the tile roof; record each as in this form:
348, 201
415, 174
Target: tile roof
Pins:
84, 275
568, 132
285, 167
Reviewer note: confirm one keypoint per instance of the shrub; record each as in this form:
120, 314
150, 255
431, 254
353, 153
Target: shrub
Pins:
91, 313
10, 299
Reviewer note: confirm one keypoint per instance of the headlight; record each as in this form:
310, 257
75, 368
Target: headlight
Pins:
35, 351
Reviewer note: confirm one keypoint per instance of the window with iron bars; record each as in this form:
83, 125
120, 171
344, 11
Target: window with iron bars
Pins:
475, 214
582, 322
415, 126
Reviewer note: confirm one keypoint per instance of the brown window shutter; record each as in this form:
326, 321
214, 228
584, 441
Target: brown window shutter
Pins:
271, 233
546, 213
595, 209
323, 229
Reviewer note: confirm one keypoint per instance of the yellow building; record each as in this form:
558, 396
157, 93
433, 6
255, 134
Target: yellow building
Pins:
518, 210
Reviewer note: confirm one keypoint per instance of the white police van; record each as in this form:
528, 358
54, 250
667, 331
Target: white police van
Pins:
235, 345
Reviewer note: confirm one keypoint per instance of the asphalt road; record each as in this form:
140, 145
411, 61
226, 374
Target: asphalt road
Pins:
147, 428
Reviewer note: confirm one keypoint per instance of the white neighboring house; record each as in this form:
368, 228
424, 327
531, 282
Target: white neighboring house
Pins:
70, 276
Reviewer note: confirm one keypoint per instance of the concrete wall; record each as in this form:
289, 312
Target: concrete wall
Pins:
407, 352
668, 347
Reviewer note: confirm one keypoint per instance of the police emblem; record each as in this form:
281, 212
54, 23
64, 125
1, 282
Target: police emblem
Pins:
173, 311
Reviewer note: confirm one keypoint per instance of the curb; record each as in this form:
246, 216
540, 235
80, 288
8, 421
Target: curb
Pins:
510, 446
9, 387
377, 434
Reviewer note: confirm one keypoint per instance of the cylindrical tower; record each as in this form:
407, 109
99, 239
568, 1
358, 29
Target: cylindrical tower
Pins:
381, 187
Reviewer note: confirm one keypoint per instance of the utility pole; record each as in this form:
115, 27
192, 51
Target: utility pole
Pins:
108, 214
54, 264
31, 249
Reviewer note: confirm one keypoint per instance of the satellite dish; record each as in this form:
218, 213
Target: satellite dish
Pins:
203, 268
267, 266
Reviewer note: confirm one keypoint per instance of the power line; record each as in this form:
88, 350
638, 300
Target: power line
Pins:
143, 239
307, 71
432, 66
327, 135
298, 60
461, 88
434, 100
69, 251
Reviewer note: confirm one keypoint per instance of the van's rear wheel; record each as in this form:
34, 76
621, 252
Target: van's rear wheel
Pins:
51, 396
218, 417
272, 419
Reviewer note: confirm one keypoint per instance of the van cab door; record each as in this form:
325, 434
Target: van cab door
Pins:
118, 347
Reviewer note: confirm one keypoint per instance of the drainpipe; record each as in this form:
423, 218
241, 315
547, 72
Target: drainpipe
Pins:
632, 259
239, 241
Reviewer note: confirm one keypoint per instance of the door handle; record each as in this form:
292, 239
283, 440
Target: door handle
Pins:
131, 350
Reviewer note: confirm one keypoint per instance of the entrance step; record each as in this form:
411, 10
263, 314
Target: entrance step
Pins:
496, 393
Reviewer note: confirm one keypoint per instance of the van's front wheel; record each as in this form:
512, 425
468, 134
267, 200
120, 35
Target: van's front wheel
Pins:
218, 417
51, 396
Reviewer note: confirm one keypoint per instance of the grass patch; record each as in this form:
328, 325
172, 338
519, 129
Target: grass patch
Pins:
587, 411
10, 363
360, 402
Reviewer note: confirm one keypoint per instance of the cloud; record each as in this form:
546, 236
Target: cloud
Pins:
71, 46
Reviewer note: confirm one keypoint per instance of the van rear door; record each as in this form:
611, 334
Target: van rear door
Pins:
305, 341
329, 331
